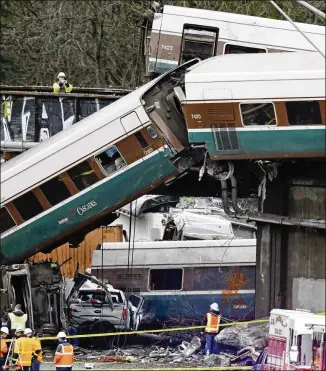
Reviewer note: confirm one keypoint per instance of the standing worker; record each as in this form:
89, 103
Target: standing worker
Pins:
212, 323
17, 319
62, 85
64, 355
3, 346
37, 350
23, 352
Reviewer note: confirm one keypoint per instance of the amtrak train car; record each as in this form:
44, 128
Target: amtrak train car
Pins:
69, 184
180, 279
257, 106
179, 34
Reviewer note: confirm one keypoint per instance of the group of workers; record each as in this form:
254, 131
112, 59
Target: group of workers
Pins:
26, 348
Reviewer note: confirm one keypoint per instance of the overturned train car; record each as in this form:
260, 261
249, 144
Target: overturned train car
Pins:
70, 184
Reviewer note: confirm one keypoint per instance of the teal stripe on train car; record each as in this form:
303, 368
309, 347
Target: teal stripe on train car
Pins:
193, 307
105, 195
268, 141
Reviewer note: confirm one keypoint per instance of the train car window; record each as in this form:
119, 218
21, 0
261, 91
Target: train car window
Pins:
304, 113
165, 279
239, 49
28, 206
198, 41
83, 175
256, 114
111, 160
224, 278
151, 131
55, 190
141, 140
6, 220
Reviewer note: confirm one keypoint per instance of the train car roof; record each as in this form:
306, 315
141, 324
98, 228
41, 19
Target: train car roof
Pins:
178, 253
241, 18
258, 66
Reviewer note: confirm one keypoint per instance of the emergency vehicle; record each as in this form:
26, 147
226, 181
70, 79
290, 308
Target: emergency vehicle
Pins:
296, 341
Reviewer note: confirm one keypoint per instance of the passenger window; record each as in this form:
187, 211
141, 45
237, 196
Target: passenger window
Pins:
151, 131
6, 221
198, 41
28, 206
55, 190
238, 49
82, 175
141, 140
304, 113
111, 160
165, 279
256, 114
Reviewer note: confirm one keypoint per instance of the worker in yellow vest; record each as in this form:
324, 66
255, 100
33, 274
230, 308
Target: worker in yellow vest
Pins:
212, 326
23, 352
17, 319
3, 347
37, 350
62, 85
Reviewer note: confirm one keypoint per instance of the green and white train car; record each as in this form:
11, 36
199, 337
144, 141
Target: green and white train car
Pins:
70, 184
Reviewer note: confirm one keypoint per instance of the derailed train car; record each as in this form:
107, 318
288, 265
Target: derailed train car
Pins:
70, 184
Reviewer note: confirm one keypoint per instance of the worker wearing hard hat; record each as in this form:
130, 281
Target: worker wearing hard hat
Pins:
212, 326
62, 85
17, 319
64, 355
23, 351
37, 350
3, 346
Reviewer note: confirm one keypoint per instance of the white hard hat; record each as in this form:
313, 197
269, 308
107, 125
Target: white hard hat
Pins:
28, 331
61, 335
214, 306
61, 74
5, 330
18, 330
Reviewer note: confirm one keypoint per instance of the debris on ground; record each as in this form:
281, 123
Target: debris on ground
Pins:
242, 336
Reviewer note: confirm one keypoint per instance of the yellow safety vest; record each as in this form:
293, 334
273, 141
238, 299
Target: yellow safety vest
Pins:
213, 324
17, 321
24, 349
37, 346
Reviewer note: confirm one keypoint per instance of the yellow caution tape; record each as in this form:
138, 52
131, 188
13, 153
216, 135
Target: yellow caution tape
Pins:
157, 331
153, 331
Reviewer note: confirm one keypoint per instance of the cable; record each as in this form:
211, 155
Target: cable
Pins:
312, 8
294, 25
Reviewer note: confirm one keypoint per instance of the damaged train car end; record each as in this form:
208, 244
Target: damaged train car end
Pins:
39, 289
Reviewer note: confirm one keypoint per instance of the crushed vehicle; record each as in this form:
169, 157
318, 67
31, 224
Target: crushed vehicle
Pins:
94, 307
39, 289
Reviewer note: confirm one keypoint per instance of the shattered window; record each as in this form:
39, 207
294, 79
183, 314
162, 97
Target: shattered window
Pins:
110, 160
165, 279
6, 221
141, 140
92, 297
304, 113
257, 114
198, 42
55, 190
28, 205
239, 49
82, 175
224, 278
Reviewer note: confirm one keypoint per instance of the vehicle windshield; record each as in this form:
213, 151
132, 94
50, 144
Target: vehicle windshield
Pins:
98, 297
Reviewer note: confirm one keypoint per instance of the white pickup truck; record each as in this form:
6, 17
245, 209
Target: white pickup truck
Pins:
94, 307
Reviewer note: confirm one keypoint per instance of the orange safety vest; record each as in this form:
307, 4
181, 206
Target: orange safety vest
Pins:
213, 323
4, 348
24, 349
64, 356
37, 346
